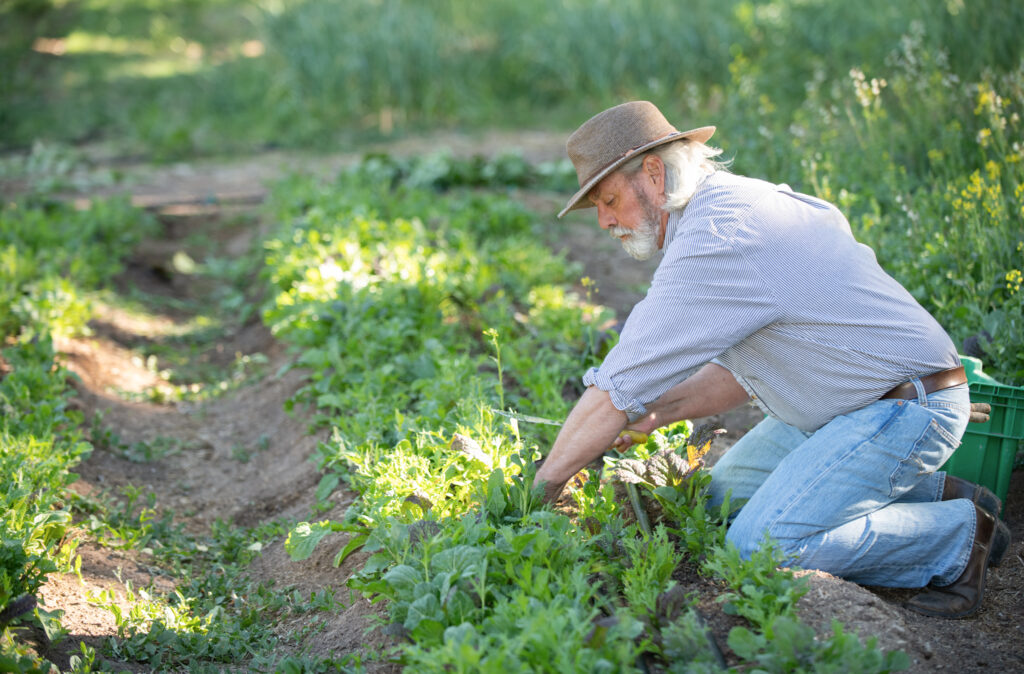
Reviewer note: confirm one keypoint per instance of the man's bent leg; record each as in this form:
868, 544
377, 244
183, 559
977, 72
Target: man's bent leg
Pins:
748, 463
830, 503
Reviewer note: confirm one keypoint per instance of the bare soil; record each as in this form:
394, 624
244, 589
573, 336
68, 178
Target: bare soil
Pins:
241, 458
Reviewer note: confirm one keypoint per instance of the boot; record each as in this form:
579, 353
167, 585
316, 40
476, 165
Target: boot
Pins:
963, 596
982, 497
956, 487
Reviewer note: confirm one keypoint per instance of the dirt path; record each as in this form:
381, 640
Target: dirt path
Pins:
239, 457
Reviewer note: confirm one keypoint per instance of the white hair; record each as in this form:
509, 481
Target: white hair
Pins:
687, 163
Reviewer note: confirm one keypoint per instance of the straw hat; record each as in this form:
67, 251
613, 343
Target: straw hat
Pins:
611, 137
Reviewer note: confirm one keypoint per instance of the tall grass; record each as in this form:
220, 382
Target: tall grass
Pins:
334, 67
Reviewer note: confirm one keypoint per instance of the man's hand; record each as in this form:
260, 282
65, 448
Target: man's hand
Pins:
587, 432
635, 433
980, 412
595, 423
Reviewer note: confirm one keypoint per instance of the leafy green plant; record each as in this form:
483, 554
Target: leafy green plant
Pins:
48, 253
761, 590
650, 562
39, 447
51, 252
686, 646
789, 646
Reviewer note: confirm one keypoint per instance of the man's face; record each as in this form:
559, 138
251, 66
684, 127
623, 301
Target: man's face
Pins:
627, 210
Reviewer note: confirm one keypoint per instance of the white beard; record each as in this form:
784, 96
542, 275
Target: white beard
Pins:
641, 243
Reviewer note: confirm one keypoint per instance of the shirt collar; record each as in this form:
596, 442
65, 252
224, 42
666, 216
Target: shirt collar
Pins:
670, 228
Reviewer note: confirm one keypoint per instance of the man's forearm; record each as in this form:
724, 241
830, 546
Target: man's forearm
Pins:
595, 423
589, 430
711, 390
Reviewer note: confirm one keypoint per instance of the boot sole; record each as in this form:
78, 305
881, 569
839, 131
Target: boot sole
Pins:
936, 614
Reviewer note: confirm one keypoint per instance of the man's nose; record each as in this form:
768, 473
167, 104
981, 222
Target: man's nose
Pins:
605, 219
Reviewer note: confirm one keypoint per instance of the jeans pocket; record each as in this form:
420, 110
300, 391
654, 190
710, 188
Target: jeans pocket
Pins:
931, 450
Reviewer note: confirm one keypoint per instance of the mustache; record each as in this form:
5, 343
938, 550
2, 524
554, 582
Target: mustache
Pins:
618, 232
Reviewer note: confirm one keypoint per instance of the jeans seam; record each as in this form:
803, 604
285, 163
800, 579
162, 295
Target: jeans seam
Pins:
940, 488
950, 438
932, 424
948, 404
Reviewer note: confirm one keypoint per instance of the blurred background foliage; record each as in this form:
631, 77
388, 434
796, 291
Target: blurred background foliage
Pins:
906, 114
181, 76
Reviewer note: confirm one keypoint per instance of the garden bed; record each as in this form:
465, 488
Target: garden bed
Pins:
226, 450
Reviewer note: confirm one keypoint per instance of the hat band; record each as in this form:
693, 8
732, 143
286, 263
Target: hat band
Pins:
628, 153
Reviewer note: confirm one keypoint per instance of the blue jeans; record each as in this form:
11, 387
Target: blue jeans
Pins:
860, 497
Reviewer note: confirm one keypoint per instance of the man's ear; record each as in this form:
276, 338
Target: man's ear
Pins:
655, 170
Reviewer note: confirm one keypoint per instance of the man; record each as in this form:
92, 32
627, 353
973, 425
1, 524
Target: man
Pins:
764, 294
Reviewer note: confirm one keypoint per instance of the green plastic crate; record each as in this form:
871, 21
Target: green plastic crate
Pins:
986, 454
1007, 416
984, 459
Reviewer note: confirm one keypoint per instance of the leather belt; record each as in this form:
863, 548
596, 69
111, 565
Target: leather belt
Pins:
931, 383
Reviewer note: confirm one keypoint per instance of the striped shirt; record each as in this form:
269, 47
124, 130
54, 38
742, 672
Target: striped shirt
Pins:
771, 284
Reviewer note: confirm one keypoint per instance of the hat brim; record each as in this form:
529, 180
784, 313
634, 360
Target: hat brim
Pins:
700, 134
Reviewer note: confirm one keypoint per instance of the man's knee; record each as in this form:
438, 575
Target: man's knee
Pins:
723, 482
746, 545
749, 533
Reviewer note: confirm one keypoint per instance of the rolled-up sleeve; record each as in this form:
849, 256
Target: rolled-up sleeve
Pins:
632, 407
704, 298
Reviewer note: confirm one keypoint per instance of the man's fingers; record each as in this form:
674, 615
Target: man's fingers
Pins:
980, 412
552, 490
633, 437
627, 438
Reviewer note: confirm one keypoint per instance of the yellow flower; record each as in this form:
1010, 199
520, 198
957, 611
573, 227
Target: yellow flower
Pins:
992, 169
984, 136
984, 99
1014, 279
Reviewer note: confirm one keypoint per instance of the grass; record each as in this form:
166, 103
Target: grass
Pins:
182, 77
